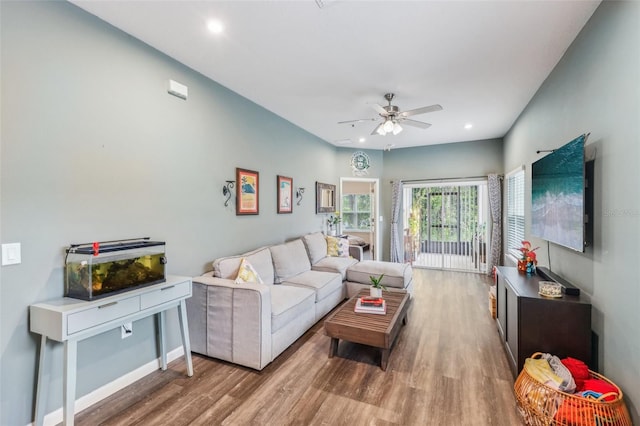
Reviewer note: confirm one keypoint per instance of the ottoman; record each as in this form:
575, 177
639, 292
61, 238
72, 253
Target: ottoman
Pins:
396, 276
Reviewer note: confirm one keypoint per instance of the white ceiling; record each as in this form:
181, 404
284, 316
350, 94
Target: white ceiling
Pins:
315, 66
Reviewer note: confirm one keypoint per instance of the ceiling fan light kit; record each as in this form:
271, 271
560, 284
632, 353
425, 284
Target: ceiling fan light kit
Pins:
392, 117
388, 126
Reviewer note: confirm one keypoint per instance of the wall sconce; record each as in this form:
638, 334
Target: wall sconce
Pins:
226, 191
299, 193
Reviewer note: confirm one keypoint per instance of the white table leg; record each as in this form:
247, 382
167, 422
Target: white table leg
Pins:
184, 329
163, 344
69, 385
42, 388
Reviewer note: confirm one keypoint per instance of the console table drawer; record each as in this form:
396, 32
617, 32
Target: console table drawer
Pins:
70, 321
102, 314
165, 294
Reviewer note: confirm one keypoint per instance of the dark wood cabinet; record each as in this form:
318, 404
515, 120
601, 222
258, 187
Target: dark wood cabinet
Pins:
529, 323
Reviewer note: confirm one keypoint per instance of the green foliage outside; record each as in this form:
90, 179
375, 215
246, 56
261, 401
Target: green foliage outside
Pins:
451, 224
356, 211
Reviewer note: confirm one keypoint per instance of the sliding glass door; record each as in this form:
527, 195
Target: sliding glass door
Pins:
446, 225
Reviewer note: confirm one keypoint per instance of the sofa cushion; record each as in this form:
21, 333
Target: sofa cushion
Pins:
396, 275
289, 303
260, 259
316, 246
335, 264
323, 283
337, 247
289, 259
247, 273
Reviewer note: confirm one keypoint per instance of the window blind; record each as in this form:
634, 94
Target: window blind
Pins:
515, 209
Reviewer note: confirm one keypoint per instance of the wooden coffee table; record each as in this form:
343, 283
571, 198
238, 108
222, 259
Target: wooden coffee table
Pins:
369, 329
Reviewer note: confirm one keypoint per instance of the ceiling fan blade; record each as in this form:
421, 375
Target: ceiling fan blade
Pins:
379, 109
360, 120
375, 131
416, 123
422, 110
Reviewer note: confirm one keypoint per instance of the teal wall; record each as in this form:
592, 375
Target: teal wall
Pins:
596, 88
93, 148
446, 161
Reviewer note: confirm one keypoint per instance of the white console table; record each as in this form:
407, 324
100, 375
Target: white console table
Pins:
70, 320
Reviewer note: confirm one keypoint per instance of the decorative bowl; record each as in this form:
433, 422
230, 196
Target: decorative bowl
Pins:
549, 289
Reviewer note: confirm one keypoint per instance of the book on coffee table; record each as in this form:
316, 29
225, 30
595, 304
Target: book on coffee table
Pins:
368, 305
371, 301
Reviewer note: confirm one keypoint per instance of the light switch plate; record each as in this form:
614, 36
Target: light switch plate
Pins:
11, 254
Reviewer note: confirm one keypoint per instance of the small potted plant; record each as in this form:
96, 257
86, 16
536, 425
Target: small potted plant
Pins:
333, 221
376, 286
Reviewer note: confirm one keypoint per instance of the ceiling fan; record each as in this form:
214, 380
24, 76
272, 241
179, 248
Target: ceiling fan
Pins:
392, 117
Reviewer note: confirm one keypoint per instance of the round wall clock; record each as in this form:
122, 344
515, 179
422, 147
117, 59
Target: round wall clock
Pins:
360, 163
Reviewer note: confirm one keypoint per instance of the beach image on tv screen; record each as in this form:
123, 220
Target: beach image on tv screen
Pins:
557, 196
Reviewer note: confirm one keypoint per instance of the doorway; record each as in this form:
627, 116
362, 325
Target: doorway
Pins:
446, 225
359, 207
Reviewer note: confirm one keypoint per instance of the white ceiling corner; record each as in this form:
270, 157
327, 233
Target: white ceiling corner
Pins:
324, 61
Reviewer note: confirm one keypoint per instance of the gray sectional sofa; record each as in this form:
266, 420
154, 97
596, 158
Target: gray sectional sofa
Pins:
250, 323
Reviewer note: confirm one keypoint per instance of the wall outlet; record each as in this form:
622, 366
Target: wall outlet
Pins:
126, 330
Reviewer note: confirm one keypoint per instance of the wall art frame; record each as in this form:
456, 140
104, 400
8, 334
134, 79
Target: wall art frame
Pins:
325, 198
247, 192
285, 194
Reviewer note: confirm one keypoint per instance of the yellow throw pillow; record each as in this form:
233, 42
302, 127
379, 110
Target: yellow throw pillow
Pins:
247, 274
337, 247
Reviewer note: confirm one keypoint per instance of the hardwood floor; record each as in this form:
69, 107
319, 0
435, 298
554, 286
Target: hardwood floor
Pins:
446, 368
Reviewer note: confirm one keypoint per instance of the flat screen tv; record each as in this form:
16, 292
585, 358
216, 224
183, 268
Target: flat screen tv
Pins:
558, 196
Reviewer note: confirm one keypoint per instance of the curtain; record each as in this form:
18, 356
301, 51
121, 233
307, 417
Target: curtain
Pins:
396, 204
495, 205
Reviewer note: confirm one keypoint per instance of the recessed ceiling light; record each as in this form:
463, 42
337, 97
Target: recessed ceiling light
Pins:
362, 140
468, 126
215, 26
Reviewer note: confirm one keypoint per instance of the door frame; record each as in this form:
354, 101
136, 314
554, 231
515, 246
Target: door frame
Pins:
376, 209
483, 211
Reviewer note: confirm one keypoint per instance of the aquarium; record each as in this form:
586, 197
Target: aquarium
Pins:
96, 270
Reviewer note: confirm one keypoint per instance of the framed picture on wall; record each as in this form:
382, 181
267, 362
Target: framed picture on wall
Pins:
325, 198
285, 194
247, 192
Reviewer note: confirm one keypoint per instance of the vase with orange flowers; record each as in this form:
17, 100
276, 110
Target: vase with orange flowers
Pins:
528, 261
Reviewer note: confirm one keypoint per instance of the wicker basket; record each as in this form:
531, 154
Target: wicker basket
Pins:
492, 305
541, 405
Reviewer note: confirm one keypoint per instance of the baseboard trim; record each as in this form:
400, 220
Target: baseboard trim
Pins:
55, 417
